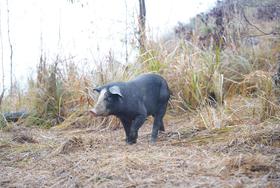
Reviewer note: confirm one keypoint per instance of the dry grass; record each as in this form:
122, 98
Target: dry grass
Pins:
233, 143
185, 155
244, 151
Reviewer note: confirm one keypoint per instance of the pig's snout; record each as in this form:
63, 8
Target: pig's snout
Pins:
93, 112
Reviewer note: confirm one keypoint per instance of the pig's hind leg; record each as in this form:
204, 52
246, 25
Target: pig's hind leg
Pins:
158, 122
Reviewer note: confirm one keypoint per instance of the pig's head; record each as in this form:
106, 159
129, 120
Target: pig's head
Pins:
108, 101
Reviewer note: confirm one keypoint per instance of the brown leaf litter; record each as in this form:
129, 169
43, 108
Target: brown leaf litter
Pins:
184, 156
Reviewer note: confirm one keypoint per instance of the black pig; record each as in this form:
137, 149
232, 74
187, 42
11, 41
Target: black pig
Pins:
133, 101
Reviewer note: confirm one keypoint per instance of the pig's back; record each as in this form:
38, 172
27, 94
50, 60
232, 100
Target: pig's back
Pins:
152, 90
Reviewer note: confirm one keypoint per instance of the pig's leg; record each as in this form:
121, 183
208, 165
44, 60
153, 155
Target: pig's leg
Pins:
136, 124
161, 128
158, 122
126, 125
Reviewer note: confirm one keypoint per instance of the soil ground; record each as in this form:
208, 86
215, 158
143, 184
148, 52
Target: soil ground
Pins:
184, 156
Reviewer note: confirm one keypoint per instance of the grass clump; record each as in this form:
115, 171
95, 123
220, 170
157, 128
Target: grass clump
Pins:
58, 91
213, 61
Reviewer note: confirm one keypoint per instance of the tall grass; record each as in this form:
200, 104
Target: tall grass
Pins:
205, 81
62, 93
195, 75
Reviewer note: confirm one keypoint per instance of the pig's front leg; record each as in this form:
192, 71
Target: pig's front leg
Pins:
126, 125
136, 124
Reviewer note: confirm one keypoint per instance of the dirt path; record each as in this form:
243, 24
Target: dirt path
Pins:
183, 157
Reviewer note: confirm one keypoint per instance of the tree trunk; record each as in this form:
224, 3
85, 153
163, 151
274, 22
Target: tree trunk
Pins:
11, 47
2, 55
126, 34
142, 25
1, 97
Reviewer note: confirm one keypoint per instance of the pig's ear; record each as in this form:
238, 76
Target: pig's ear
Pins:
97, 89
115, 90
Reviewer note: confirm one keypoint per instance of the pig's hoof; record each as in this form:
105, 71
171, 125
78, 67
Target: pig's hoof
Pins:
130, 142
153, 141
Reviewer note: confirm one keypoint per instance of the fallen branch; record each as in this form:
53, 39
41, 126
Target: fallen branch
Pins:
257, 28
14, 116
